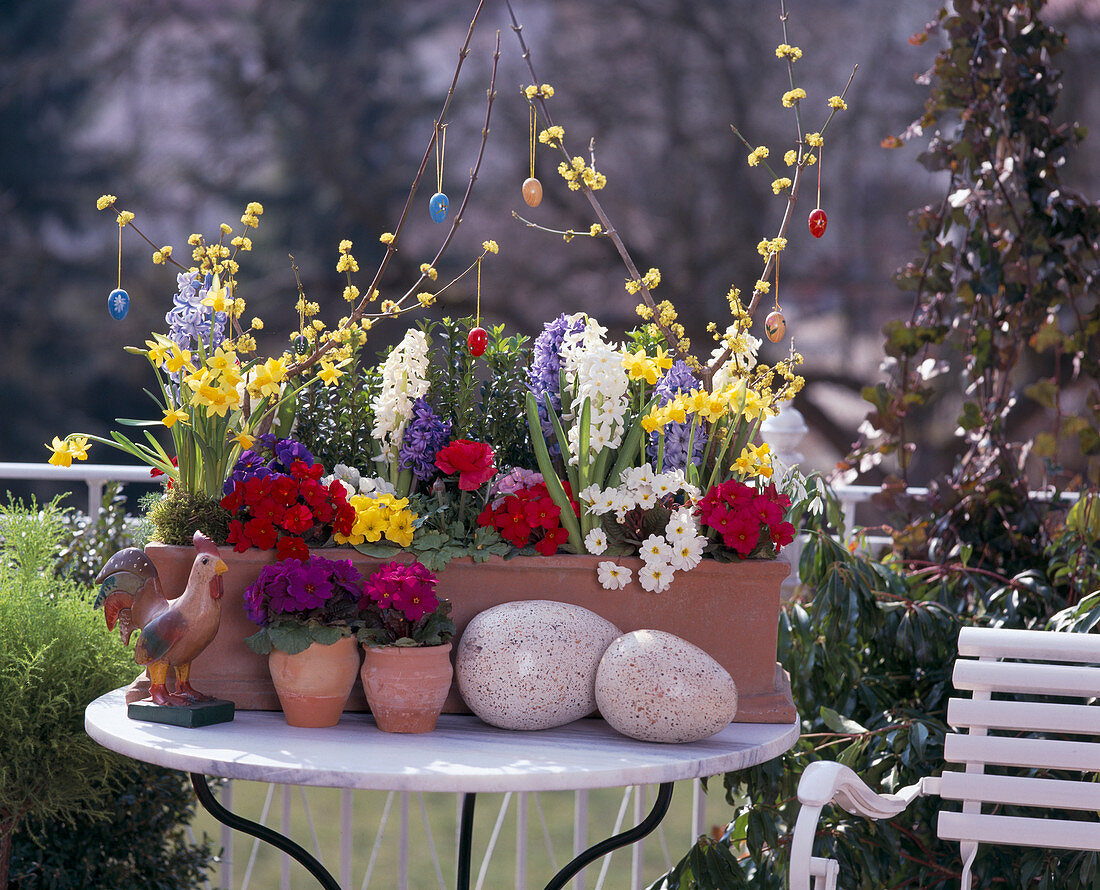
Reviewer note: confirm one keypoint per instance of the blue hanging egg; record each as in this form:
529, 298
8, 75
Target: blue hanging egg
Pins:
438, 206
118, 304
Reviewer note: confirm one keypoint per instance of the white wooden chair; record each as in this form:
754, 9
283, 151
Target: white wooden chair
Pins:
1033, 663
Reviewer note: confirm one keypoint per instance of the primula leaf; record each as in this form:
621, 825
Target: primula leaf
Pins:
406, 643
326, 636
259, 642
289, 638
385, 551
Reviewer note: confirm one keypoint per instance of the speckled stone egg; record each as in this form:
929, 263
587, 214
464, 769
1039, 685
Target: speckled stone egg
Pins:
532, 664
656, 687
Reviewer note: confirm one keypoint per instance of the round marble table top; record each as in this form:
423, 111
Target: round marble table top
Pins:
463, 754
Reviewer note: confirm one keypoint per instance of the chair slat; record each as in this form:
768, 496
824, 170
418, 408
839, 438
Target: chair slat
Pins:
1037, 679
1060, 834
1039, 645
1020, 791
1027, 753
1024, 716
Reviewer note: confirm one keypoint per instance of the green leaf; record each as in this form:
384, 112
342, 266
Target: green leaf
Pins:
289, 637
259, 642
837, 723
324, 635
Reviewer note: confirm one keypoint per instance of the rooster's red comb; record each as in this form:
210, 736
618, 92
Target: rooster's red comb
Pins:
204, 545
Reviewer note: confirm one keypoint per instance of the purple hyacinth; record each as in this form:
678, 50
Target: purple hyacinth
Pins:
544, 375
678, 378
425, 434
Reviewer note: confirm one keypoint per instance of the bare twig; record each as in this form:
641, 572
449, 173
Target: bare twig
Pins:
609, 229
361, 307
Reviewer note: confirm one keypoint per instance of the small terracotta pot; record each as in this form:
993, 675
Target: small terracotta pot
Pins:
314, 685
406, 686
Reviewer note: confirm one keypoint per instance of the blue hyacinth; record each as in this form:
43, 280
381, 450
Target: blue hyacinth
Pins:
544, 375
425, 434
678, 378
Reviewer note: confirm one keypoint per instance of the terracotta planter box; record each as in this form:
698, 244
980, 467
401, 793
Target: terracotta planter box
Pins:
731, 610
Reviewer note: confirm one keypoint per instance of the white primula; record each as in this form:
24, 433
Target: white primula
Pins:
681, 524
593, 370
613, 576
606, 502
404, 380
655, 576
686, 553
595, 542
655, 549
639, 478
590, 495
743, 347
354, 482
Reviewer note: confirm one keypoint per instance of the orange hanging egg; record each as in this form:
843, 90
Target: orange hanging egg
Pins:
532, 192
775, 326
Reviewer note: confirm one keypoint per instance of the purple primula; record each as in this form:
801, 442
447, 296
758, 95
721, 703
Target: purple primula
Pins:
268, 455
678, 378
303, 590
424, 435
544, 375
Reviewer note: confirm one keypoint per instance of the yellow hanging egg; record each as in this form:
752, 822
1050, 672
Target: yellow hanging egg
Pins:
532, 192
775, 326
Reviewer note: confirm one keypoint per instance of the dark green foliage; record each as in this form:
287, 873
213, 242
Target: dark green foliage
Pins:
482, 397
335, 422
179, 513
1005, 287
141, 845
73, 812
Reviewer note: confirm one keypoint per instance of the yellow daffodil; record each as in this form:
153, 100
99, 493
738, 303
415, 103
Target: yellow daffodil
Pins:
177, 359
244, 440
217, 298
61, 456
639, 366
662, 359
173, 416
157, 352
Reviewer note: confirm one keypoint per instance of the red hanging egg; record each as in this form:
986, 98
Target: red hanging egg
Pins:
818, 220
476, 341
775, 326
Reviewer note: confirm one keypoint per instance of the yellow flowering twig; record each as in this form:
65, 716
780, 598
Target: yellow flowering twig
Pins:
359, 313
608, 229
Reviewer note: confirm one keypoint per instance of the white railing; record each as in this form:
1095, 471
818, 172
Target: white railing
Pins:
94, 476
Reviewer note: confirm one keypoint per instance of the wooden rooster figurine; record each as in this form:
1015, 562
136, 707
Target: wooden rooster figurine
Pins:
173, 632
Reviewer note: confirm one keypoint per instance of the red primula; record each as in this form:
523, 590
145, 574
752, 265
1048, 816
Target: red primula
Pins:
743, 515
527, 516
287, 511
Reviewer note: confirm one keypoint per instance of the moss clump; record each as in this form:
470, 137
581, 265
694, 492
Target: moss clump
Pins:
179, 513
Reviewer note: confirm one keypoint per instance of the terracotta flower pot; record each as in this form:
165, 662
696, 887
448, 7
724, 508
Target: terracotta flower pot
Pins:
406, 686
730, 610
313, 686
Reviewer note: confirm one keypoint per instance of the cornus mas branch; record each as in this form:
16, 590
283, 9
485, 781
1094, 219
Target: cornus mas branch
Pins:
360, 310
609, 230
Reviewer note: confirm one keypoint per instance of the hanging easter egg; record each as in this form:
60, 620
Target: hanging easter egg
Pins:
438, 206
775, 326
818, 220
301, 344
532, 192
476, 341
118, 304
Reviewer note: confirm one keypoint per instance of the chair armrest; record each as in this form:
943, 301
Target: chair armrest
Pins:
826, 782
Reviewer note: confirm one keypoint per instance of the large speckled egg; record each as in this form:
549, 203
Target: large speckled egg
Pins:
532, 664
656, 687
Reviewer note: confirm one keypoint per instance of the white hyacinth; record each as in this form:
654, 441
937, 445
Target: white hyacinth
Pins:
594, 371
404, 380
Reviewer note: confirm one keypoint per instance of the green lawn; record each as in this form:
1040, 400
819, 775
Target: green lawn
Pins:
325, 808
